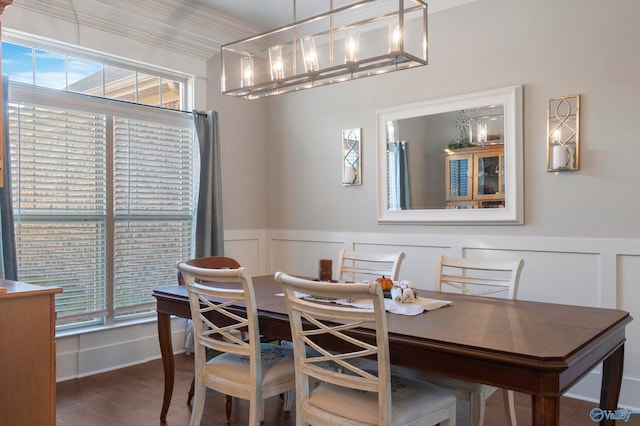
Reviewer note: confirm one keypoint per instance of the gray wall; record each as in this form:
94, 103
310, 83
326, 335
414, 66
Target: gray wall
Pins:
552, 48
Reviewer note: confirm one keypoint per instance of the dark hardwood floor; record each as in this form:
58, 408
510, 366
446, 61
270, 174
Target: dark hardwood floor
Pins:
133, 396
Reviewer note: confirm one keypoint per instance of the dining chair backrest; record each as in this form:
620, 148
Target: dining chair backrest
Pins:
210, 262
311, 325
217, 298
357, 266
478, 277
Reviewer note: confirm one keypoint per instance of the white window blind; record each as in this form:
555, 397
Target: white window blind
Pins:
153, 207
103, 197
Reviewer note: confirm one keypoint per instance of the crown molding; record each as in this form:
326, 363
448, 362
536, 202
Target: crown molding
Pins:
188, 27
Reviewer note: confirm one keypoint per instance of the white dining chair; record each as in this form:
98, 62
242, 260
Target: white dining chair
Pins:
358, 266
209, 262
477, 278
350, 395
244, 367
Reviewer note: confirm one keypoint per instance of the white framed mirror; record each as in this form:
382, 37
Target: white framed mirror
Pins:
456, 160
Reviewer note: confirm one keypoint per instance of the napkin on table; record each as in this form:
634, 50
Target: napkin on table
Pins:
408, 296
396, 294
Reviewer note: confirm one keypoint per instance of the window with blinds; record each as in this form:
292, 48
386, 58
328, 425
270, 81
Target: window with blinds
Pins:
103, 197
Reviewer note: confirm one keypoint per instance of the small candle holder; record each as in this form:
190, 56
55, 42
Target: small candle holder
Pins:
325, 270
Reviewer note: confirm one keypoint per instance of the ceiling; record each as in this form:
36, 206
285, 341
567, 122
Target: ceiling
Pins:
194, 27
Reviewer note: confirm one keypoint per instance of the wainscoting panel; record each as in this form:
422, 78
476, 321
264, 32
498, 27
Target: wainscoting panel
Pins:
419, 265
247, 248
106, 349
629, 300
302, 257
566, 278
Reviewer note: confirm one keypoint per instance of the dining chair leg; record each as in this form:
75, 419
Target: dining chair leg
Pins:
255, 412
198, 406
476, 409
228, 406
287, 400
509, 407
190, 394
451, 421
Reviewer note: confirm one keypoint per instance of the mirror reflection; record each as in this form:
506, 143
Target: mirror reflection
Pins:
448, 160
452, 160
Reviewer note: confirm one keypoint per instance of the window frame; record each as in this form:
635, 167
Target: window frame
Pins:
105, 59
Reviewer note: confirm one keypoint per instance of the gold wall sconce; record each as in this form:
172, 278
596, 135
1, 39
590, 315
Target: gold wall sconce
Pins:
351, 158
563, 134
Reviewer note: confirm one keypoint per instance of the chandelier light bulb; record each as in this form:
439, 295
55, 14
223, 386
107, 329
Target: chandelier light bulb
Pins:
309, 54
395, 39
246, 67
276, 62
351, 47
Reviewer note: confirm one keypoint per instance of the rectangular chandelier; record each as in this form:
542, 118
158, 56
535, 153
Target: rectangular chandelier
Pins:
363, 39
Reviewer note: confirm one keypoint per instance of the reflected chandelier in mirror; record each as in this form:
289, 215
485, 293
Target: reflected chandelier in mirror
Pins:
452, 160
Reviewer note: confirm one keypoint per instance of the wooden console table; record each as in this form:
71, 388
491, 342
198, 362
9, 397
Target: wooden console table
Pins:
27, 354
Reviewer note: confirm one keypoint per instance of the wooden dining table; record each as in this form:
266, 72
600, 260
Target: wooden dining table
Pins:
541, 349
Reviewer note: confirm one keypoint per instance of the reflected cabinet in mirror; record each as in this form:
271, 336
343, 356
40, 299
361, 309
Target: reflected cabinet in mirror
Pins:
452, 160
